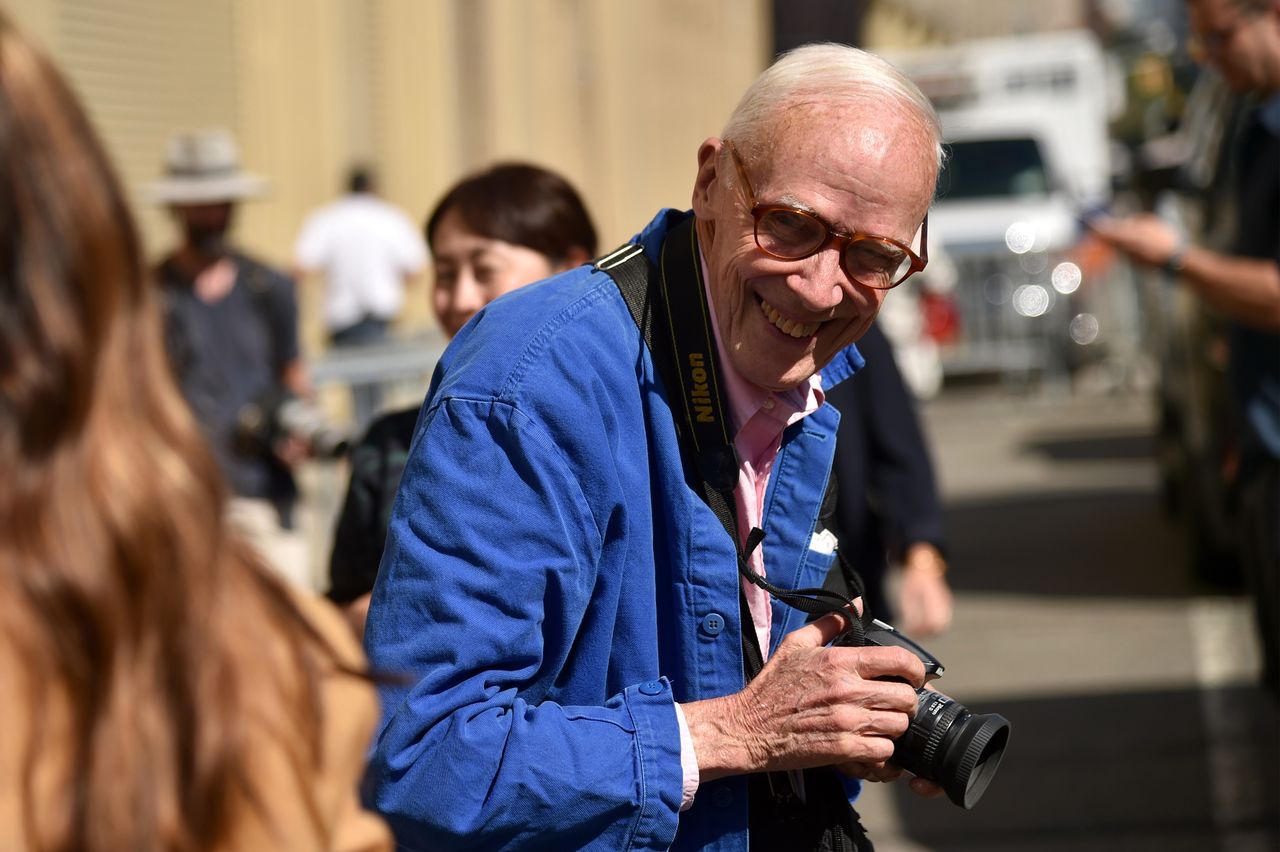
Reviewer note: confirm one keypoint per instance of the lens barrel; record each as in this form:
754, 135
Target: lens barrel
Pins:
952, 747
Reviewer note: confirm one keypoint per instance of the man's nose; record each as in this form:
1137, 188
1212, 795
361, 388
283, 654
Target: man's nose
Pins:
821, 283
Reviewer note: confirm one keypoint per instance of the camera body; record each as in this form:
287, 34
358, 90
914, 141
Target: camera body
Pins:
945, 743
278, 415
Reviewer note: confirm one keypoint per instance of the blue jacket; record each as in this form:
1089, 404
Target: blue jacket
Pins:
552, 585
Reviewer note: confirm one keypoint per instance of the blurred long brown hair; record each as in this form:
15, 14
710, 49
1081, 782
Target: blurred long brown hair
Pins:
135, 616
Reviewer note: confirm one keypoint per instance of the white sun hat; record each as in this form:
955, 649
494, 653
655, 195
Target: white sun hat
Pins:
203, 167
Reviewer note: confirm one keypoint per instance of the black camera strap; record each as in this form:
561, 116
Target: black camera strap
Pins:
676, 293
673, 297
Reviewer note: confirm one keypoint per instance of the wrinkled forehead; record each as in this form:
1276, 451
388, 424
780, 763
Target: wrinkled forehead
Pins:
862, 127
861, 140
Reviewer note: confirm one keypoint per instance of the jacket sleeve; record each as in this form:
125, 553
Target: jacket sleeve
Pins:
360, 533
357, 537
901, 482
486, 584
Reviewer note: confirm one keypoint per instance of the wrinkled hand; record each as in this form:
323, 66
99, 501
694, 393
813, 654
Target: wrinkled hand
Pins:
925, 789
885, 772
924, 597
878, 772
811, 705
1146, 238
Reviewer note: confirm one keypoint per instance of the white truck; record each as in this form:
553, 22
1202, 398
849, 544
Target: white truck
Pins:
1025, 120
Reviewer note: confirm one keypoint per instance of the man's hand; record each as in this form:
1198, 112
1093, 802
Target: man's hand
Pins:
885, 772
811, 705
1245, 289
291, 450
925, 789
924, 598
1146, 238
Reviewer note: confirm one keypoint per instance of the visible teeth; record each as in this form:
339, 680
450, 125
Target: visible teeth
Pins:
787, 326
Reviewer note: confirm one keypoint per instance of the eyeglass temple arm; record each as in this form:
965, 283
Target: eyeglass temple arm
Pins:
924, 241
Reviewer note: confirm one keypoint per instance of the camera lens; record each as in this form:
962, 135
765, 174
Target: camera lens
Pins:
952, 747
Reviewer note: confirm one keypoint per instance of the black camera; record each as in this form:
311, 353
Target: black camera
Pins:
945, 744
279, 414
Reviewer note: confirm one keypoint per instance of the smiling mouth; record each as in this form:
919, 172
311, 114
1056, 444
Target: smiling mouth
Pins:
788, 327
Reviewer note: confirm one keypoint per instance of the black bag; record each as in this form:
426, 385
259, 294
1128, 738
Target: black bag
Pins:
823, 822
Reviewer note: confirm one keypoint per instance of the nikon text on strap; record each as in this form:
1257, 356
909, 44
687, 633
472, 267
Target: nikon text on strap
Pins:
675, 296
669, 306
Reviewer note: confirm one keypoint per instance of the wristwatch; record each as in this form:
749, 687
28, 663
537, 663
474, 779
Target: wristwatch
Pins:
1177, 259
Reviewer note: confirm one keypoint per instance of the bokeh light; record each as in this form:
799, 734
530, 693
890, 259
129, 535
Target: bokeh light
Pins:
1032, 300
1084, 329
1066, 277
1020, 237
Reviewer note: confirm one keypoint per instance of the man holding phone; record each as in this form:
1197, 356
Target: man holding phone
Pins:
1241, 38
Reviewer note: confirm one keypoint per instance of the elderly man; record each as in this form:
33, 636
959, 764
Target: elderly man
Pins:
1241, 38
573, 616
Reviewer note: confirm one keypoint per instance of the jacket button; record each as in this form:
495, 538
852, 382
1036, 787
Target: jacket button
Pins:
652, 687
722, 798
713, 623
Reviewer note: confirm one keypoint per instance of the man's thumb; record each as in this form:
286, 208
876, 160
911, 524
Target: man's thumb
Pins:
820, 632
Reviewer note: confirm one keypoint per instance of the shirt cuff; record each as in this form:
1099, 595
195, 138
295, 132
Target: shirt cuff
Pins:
688, 762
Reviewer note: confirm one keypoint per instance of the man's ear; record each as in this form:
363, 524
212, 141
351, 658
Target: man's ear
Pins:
575, 257
708, 163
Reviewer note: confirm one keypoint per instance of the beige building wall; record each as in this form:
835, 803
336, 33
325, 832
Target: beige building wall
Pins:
615, 94
904, 24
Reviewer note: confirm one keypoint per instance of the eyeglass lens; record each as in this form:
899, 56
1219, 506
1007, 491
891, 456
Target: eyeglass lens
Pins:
793, 235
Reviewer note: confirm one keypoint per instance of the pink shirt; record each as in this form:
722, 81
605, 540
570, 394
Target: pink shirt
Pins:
759, 418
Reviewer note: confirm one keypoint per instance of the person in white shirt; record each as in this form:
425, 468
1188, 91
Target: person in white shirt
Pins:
366, 249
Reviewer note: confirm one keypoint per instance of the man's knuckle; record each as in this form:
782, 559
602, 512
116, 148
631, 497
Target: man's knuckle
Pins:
880, 748
848, 718
905, 659
905, 698
830, 665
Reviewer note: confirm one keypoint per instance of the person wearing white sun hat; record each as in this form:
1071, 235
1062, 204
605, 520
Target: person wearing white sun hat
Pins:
232, 331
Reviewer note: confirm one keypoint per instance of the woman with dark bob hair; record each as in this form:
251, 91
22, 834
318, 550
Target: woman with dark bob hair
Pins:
492, 233
162, 692
499, 230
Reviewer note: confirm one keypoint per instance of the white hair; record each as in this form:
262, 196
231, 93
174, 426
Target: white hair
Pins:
828, 74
